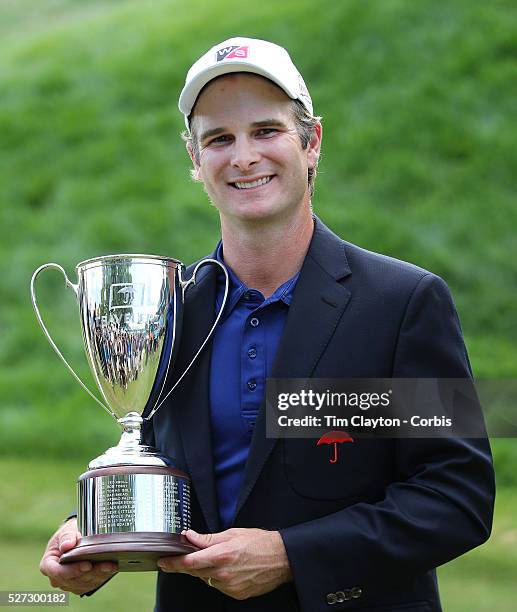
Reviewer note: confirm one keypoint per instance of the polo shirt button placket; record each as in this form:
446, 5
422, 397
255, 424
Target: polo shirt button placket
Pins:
331, 599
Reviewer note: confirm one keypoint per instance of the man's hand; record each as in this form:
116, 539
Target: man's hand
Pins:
79, 577
241, 563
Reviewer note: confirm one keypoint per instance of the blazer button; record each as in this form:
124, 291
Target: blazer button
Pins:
356, 592
331, 598
340, 596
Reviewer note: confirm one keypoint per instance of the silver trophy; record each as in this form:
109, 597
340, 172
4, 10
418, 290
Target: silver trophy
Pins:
132, 504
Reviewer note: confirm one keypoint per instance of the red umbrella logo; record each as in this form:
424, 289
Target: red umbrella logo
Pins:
335, 438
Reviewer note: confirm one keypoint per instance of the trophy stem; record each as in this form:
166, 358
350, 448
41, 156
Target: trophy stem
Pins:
130, 450
131, 432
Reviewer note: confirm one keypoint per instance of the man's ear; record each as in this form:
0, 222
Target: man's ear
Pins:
196, 168
314, 146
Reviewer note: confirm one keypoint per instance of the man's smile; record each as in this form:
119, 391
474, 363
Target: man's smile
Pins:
252, 183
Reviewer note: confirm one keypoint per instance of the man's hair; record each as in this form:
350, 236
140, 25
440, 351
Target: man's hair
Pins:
305, 125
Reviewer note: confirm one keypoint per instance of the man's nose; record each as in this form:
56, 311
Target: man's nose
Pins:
245, 153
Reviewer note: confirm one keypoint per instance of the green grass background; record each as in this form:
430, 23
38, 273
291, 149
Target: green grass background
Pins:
419, 161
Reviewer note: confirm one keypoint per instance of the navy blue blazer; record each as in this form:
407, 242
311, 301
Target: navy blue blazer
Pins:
365, 533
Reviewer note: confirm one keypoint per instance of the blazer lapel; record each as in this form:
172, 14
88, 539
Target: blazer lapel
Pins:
319, 301
191, 405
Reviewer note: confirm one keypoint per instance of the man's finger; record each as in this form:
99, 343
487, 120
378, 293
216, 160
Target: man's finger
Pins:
67, 540
202, 559
201, 540
204, 540
52, 568
175, 564
74, 578
66, 543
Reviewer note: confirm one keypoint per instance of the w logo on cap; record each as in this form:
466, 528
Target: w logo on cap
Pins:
233, 52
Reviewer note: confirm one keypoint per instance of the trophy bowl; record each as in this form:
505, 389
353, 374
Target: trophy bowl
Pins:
133, 504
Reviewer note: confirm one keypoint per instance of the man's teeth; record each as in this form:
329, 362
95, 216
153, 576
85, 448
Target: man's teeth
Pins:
256, 183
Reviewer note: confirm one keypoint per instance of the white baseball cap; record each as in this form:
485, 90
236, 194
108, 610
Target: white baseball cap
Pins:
244, 55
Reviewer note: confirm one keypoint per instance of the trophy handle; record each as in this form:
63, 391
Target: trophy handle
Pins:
185, 285
47, 334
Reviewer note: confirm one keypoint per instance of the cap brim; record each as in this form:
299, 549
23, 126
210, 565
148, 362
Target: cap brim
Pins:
191, 91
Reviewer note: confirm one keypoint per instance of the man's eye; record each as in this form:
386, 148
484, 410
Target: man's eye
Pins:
266, 131
219, 140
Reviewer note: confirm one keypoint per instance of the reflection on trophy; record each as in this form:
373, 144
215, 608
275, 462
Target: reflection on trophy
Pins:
132, 503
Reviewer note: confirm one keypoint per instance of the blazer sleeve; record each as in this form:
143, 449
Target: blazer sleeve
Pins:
442, 503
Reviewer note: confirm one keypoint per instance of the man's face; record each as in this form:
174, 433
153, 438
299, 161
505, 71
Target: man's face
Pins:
251, 160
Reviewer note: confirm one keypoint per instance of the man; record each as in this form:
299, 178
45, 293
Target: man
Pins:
278, 526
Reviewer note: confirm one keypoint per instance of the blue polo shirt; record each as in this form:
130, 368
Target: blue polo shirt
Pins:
244, 347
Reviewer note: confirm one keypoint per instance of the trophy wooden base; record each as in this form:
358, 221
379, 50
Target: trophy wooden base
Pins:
134, 552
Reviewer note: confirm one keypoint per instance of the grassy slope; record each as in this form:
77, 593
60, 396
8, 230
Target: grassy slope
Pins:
484, 579
35, 497
125, 593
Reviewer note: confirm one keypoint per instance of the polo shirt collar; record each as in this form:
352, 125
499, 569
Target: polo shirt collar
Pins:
237, 288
